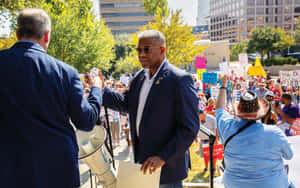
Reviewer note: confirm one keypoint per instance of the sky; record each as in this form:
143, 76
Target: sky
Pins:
189, 9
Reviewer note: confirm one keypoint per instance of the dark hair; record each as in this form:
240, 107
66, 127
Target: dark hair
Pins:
287, 96
33, 23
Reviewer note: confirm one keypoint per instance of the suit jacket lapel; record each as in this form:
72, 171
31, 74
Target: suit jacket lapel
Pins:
155, 89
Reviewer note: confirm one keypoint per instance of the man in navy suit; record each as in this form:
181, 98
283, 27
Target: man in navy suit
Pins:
163, 108
39, 95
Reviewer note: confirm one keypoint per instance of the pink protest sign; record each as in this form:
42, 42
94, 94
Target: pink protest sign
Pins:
200, 62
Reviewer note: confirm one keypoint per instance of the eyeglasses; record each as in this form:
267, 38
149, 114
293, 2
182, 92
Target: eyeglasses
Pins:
146, 49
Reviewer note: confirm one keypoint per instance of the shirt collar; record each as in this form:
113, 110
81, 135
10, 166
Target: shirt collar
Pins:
147, 71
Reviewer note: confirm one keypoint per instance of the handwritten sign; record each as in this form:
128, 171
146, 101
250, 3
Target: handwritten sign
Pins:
290, 78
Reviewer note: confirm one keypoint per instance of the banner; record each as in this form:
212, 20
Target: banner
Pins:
290, 78
200, 73
200, 62
211, 78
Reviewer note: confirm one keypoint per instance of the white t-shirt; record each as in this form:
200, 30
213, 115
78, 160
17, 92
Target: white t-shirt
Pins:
210, 123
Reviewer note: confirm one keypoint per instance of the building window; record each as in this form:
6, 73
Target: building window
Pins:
286, 9
287, 19
260, 2
297, 10
260, 11
250, 2
106, 15
250, 11
250, 20
125, 23
260, 20
128, 5
269, 2
249, 29
107, 6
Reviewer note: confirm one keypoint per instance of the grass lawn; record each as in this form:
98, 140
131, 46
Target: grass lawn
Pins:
196, 174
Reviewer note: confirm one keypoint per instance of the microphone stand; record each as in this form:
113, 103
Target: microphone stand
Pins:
110, 149
212, 139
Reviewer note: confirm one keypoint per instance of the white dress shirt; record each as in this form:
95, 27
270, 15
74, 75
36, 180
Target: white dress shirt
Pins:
144, 95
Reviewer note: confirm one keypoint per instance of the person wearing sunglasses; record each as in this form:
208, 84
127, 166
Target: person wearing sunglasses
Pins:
163, 112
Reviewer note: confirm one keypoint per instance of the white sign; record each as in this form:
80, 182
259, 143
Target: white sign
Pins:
215, 92
243, 59
124, 79
131, 176
224, 69
290, 78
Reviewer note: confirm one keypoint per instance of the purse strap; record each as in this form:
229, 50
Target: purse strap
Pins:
248, 124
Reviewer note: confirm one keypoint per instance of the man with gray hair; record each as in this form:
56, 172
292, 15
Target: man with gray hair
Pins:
163, 111
39, 96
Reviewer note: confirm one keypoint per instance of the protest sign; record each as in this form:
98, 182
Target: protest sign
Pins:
200, 73
290, 78
210, 78
243, 59
124, 79
224, 69
200, 62
81, 76
214, 92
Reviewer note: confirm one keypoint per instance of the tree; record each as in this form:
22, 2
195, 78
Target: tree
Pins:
267, 40
77, 38
151, 7
180, 42
9, 42
297, 33
238, 49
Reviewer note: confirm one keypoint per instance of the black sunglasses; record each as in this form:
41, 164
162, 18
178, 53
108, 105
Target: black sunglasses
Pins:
146, 49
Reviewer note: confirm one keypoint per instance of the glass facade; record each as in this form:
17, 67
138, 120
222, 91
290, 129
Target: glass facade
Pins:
233, 20
124, 16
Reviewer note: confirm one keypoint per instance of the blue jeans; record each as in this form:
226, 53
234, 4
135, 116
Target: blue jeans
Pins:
176, 185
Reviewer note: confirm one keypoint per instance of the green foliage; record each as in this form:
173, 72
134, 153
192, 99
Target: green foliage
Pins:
152, 7
238, 49
77, 38
266, 40
180, 42
124, 65
280, 61
297, 33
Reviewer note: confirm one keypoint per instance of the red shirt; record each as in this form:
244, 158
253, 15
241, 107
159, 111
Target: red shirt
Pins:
209, 108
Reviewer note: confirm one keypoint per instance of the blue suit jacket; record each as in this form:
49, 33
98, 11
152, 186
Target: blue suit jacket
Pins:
38, 96
170, 120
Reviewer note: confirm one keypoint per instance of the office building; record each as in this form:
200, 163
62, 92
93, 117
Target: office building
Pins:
124, 16
233, 20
